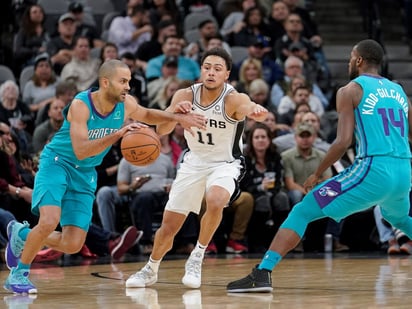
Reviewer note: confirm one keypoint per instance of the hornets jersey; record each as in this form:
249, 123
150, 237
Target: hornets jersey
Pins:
221, 130
381, 119
98, 127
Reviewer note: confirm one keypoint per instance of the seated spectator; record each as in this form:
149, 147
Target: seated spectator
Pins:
169, 69
129, 32
276, 129
16, 195
153, 48
250, 70
65, 91
31, 38
233, 23
254, 28
41, 88
207, 30
172, 47
138, 83
174, 144
165, 9
147, 195
293, 66
272, 72
13, 111
276, 20
83, 27
291, 99
163, 96
301, 161
82, 68
109, 51
270, 201
60, 47
48, 128
259, 92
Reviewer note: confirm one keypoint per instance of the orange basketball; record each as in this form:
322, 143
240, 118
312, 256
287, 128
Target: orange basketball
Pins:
140, 147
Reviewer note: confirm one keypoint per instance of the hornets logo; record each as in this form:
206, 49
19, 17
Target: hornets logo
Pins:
327, 191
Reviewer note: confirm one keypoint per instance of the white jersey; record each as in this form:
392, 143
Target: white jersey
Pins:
222, 139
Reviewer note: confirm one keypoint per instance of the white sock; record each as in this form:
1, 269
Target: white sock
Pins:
199, 248
154, 264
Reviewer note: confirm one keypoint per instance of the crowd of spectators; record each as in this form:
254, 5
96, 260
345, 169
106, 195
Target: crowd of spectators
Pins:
283, 68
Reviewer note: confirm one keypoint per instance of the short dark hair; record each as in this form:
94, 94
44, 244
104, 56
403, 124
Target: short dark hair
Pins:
371, 51
219, 52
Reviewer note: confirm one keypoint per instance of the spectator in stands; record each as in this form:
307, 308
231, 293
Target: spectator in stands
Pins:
269, 199
174, 144
162, 99
83, 28
153, 48
300, 94
32, 37
277, 18
254, 27
16, 195
207, 30
276, 129
65, 91
293, 66
199, 6
164, 9
259, 92
250, 70
41, 88
12, 110
137, 83
43, 132
60, 47
233, 23
82, 68
272, 71
129, 32
109, 51
300, 161
169, 69
187, 68
148, 195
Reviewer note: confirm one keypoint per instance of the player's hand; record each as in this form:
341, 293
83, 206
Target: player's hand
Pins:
183, 107
258, 113
311, 182
132, 127
189, 120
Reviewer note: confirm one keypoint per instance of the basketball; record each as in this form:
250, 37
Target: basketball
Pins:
140, 147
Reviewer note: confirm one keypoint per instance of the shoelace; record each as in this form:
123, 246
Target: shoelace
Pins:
194, 267
22, 277
144, 273
18, 243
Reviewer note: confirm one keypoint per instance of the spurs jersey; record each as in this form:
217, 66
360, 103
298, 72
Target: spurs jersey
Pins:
222, 139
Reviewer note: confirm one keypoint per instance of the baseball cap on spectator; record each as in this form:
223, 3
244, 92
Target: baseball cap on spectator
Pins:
41, 57
170, 61
258, 42
304, 127
66, 16
76, 7
296, 46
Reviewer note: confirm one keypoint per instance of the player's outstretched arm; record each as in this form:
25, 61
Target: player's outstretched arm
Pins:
165, 121
239, 106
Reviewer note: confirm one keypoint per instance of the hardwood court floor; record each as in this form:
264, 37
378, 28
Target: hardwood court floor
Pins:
301, 281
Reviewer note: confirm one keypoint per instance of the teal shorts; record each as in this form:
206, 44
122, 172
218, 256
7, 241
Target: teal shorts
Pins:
383, 181
60, 183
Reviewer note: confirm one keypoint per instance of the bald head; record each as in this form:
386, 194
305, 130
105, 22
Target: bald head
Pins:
109, 67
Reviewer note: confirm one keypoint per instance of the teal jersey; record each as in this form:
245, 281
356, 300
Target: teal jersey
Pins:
98, 127
381, 119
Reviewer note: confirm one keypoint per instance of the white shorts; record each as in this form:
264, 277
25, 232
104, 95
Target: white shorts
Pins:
194, 178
